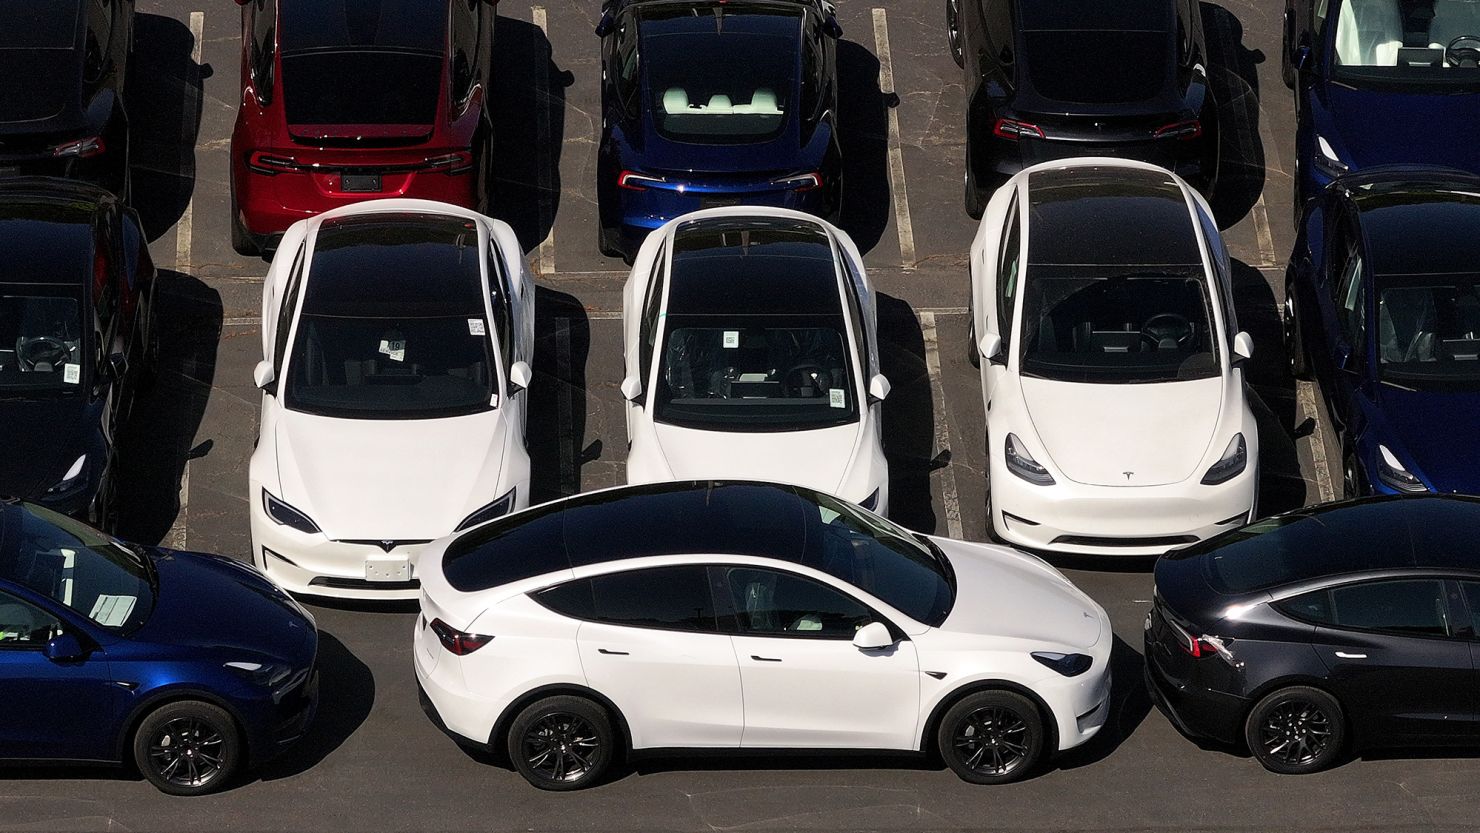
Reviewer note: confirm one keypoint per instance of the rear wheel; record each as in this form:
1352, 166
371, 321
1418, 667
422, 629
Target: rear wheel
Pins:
1296, 730
562, 743
1294, 344
1351, 476
992, 737
188, 748
953, 31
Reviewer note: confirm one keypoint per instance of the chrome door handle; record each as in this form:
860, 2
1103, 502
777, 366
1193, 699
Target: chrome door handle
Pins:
758, 658
612, 653
1345, 655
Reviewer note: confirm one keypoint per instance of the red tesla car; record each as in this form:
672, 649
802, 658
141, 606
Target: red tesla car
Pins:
346, 100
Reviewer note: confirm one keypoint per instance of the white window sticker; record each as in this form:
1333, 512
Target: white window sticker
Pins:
112, 611
836, 398
732, 339
476, 327
394, 349
71, 373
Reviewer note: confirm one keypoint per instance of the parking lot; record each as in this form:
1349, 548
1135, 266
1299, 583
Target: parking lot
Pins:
373, 761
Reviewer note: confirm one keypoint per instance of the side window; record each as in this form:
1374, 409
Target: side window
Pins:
626, 69
285, 315
666, 598
1318, 16
1471, 590
1409, 606
502, 303
23, 625
648, 331
1351, 302
771, 603
264, 47
1007, 275
464, 45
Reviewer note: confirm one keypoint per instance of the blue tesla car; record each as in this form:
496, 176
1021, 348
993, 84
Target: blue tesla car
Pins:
1382, 309
1380, 82
710, 103
189, 667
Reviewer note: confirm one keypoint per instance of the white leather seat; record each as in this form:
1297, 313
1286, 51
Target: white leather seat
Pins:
719, 104
675, 100
762, 102
1453, 18
1369, 33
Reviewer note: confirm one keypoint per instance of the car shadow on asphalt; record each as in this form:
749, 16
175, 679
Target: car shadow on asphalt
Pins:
158, 438
558, 397
528, 130
163, 96
908, 415
1233, 76
346, 696
863, 138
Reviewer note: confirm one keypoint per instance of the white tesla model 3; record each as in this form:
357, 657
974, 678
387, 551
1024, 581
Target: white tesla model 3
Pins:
751, 349
1111, 362
396, 340
750, 616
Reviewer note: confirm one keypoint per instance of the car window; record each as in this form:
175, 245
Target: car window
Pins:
773, 603
23, 625
42, 349
1471, 590
464, 48
289, 307
1406, 606
77, 566
666, 598
648, 330
1010, 257
625, 71
263, 48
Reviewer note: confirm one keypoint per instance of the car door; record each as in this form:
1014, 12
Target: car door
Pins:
805, 684
1395, 660
50, 708
652, 645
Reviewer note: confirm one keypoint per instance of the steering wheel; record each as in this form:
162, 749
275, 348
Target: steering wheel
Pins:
802, 375
1463, 51
1168, 325
40, 349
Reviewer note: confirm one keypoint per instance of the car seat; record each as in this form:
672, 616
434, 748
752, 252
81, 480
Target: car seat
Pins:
1407, 333
1370, 33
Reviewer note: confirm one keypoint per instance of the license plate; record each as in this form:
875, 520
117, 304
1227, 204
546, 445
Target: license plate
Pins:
387, 568
718, 202
9, 170
359, 183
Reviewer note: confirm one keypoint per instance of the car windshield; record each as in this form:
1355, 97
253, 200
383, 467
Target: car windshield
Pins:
720, 74
1421, 44
361, 87
41, 344
77, 566
756, 373
1428, 330
1087, 324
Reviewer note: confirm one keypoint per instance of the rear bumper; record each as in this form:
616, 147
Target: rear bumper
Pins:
1191, 160
1196, 712
270, 203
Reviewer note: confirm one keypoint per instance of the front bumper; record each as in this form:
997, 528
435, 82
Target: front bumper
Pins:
317, 566
273, 725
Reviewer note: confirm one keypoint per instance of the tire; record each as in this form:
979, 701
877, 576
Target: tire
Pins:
973, 354
953, 32
1296, 730
606, 244
1294, 342
546, 731
179, 736
992, 737
1351, 482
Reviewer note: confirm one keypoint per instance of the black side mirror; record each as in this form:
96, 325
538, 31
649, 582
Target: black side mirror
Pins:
117, 366
64, 648
832, 28
604, 26
1300, 58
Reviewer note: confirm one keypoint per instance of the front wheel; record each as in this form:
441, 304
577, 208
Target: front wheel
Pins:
1296, 730
562, 743
953, 32
1294, 344
992, 737
188, 748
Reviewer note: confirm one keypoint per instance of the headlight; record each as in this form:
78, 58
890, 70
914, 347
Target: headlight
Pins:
871, 502
285, 515
267, 675
497, 509
1326, 159
1022, 464
71, 481
1070, 665
1392, 473
1233, 462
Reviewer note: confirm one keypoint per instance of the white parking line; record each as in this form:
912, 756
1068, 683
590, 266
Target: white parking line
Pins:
1325, 490
183, 229
542, 99
896, 152
949, 497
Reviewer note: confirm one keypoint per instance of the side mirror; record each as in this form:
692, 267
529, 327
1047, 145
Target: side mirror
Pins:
64, 648
519, 377
604, 25
117, 366
1243, 346
990, 347
263, 375
832, 28
632, 390
878, 388
874, 636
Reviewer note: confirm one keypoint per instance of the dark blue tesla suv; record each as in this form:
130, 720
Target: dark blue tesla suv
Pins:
717, 103
1382, 309
189, 667
1381, 82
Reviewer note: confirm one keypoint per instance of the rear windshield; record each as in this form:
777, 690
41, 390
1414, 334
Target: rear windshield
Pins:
359, 86
38, 24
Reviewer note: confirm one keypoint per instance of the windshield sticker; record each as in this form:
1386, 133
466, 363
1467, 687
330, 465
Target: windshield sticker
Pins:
476, 327
112, 611
394, 349
732, 339
837, 398
72, 373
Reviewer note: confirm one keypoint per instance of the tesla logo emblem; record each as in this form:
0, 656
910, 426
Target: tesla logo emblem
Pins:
387, 545
1127, 474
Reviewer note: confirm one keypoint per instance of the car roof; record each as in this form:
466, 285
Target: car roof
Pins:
46, 230
1092, 215
1419, 224
40, 24
752, 266
1096, 15
378, 24
411, 263
680, 518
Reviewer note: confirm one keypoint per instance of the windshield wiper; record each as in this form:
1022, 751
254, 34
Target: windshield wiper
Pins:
1390, 383
141, 557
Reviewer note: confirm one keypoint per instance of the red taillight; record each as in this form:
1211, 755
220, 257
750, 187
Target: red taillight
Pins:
456, 641
453, 163
1180, 130
269, 163
1014, 129
634, 181
81, 148
1199, 648
800, 182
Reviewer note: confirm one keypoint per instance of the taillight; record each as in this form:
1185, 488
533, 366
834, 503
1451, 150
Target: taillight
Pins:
453, 163
1180, 130
268, 163
81, 148
1014, 129
1201, 647
456, 641
799, 182
634, 181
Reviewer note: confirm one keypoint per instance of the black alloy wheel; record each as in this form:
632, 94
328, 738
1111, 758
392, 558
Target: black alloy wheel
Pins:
561, 743
1296, 730
188, 748
1294, 344
992, 737
953, 31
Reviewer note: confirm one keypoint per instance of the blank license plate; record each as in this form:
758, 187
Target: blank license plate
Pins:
360, 183
387, 568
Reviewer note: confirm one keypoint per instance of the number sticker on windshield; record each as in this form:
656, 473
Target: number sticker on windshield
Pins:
732, 339
394, 349
476, 327
836, 398
72, 373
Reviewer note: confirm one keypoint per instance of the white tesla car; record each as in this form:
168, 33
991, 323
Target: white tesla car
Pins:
745, 615
751, 349
1111, 362
396, 340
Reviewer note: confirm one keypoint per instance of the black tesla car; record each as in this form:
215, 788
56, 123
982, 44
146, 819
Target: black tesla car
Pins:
76, 337
1338, 628
1048, 81
62, 65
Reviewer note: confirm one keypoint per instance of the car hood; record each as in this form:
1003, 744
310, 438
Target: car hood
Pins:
816, 459
369, 479
1450, 457
1002, 592
40, 441
1125, 435
210, 601
1367, 128
40, 90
